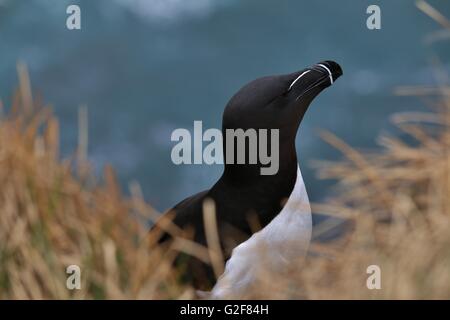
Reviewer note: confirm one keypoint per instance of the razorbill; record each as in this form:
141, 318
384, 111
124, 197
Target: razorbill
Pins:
279, 201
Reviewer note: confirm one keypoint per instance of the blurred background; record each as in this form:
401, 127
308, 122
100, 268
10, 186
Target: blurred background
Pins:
146, 67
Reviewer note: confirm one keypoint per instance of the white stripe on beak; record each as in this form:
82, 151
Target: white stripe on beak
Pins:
329, 72
298, 78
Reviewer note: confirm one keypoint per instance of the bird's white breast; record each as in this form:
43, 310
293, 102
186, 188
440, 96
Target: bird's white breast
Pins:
272, 251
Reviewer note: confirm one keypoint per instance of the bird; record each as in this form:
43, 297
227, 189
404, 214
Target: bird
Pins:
278, 201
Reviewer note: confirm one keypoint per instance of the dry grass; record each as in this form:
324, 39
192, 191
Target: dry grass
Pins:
398, 204
54, 214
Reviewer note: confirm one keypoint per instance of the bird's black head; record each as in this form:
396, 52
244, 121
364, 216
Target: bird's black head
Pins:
274, 102
279, 102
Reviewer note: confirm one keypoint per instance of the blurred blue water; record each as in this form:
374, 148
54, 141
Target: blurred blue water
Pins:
146, 67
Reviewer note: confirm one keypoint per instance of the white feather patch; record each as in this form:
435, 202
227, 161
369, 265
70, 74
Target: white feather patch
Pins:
270, 252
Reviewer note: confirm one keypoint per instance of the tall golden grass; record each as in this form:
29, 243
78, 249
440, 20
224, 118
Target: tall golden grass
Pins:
54, 213
397, 201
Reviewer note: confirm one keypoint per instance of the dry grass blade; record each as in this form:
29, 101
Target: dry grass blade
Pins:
363, 166
433, 13
212, 236
25, 88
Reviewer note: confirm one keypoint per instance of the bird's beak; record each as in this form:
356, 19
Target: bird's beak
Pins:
314, 79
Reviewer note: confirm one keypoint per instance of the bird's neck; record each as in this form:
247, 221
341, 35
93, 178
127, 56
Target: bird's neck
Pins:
247, 174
